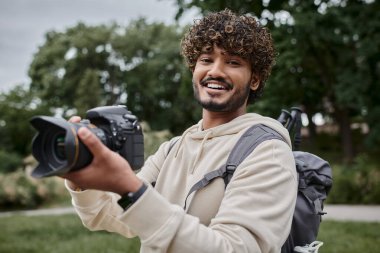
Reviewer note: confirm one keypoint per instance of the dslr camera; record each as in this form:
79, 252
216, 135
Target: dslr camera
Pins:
59, 150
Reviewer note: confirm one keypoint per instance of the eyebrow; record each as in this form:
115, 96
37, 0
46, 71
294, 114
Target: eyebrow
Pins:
223, 52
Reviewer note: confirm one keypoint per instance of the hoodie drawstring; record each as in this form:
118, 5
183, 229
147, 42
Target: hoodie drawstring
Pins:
200, 151
180, 141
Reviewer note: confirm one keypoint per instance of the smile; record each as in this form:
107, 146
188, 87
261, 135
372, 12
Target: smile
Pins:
216, 84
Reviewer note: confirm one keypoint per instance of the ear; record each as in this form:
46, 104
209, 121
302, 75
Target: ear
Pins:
255, 82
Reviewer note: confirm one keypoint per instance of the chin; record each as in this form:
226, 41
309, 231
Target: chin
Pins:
214, 107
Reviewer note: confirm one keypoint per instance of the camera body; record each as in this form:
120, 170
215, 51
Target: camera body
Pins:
58, 149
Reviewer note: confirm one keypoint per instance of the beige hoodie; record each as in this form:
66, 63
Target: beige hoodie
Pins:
253, 214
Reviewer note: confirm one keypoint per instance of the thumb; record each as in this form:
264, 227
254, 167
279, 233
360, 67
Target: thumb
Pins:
90, 140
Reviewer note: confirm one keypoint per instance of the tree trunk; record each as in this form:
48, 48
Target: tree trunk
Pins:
346, 135
312, 128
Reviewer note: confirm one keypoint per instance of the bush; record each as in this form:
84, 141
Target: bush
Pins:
9, 162
358, 183
153, 139
20, 191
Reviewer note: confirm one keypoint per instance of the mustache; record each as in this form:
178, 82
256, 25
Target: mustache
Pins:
218, 79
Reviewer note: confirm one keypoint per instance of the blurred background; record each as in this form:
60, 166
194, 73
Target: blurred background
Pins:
61, 58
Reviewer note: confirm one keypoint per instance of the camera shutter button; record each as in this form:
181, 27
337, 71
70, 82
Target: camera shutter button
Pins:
130, 117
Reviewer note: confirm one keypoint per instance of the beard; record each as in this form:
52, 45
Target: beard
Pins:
237, 100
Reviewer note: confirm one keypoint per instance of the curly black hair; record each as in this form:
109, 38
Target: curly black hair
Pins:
240, 35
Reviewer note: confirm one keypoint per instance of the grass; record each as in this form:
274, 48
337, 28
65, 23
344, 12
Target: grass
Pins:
349, 237
58, 234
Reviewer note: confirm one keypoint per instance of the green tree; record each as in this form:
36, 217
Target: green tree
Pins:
10, 161
88, 93
241, 6
17, 107
327, 63
139, 65
328, 59
157, 82
59, 65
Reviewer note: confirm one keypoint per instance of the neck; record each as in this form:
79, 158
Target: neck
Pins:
213, 119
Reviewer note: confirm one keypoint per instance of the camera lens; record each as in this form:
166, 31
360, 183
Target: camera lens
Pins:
59, 150
59, 146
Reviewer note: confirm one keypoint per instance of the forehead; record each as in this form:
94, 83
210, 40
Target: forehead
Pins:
215, 51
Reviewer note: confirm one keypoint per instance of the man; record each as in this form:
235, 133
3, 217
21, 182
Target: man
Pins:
230, 57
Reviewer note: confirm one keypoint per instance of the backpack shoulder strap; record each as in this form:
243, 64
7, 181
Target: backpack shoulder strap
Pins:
252, 137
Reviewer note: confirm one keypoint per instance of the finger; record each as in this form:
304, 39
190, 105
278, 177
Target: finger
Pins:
90, 140
75, 119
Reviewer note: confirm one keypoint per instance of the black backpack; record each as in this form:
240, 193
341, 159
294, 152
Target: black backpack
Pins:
314, 180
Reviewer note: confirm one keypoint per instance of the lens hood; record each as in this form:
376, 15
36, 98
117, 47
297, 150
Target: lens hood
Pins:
57, 147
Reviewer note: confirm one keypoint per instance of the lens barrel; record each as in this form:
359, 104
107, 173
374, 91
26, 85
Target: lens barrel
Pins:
57, 146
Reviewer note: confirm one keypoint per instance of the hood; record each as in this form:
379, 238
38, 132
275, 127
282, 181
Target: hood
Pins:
235, 126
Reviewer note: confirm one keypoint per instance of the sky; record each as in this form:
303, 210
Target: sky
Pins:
23, 24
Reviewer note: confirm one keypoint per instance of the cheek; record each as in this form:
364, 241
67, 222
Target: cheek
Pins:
197, 75
240, 80
246, 78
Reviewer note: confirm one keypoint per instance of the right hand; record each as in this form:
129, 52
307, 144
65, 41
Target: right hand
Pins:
108, 171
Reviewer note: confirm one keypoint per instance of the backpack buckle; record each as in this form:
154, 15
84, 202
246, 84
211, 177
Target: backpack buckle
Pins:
230, 169
318, 207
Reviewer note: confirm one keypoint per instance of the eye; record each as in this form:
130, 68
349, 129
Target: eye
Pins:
234, 62
205, 59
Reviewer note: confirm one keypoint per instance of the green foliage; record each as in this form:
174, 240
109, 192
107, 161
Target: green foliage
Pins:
88, 91
20, 191
157, 83
16, 109
241, 6
63, 65
358, 183
328, 60
9, 162
140, 65
153, 139
323, 64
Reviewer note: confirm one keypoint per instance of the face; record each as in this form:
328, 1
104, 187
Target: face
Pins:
222, 81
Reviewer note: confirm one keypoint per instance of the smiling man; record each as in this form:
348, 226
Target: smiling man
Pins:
230, 57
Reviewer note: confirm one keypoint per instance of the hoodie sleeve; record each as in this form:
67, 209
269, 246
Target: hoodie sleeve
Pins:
98, 210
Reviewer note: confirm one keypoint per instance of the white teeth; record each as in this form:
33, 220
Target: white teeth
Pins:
215, 86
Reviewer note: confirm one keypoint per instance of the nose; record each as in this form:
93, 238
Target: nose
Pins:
217, 69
